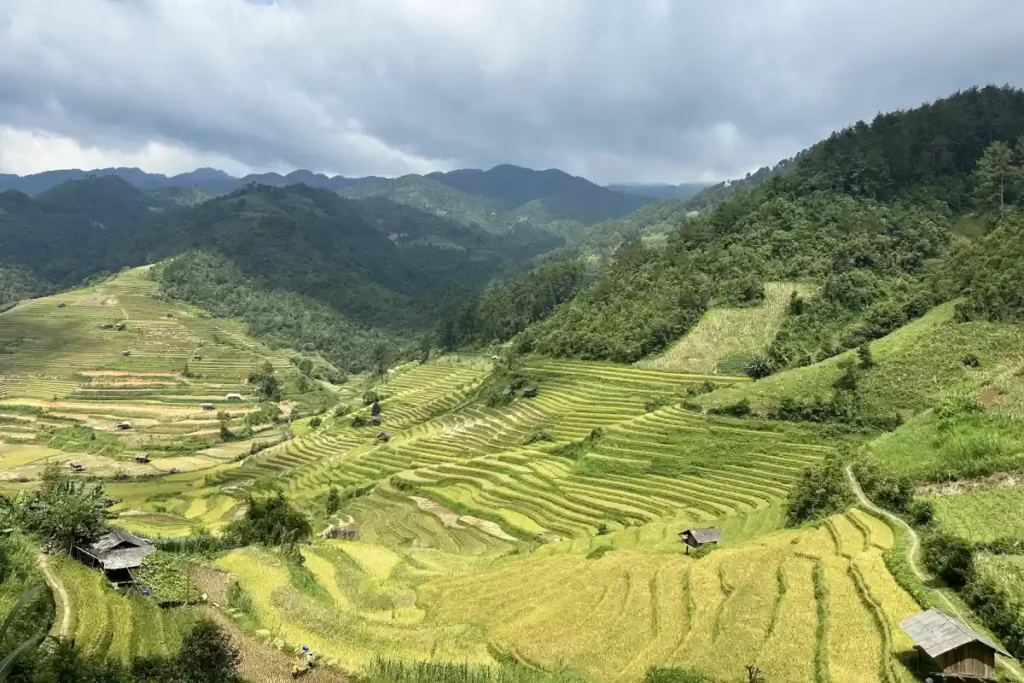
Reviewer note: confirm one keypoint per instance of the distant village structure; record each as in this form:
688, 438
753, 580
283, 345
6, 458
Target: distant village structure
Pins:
700, 537
951, 648
233, 396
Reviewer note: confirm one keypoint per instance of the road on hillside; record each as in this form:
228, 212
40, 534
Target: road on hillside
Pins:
915, 543
61, 625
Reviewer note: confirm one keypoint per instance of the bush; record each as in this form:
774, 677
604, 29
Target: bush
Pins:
370, 397
342, 409
971, 361
270, 521
659, 674
949, 557
359, 421
315, 422
207, 655
821, 491
739, 409
921, 512
760, 366
885, 488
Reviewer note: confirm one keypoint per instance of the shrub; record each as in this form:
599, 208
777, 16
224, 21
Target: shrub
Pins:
207, 655
602, 529
921, 512
821, 491
333, 501
739, 409
370, 397
760, 366
359, 421
949, 557
884, 487
271, 521
864, 359
315, 422
971, 361
659, 674
538, 435
342, 409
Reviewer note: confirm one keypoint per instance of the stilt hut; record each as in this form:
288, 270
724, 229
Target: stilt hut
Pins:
698, 538
951, 648
117, 553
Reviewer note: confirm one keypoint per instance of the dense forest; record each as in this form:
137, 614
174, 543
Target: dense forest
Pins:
885, 216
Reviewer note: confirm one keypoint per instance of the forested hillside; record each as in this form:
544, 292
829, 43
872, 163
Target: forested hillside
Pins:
304, 266
878, 214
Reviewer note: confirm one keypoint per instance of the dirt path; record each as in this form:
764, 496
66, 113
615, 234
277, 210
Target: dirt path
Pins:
922, 576
62, 624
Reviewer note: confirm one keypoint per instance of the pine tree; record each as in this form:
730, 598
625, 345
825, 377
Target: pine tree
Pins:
995, 170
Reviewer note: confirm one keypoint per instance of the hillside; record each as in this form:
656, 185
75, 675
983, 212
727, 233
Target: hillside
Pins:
303, 266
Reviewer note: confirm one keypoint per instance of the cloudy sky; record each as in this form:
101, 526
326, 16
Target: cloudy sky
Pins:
615, 90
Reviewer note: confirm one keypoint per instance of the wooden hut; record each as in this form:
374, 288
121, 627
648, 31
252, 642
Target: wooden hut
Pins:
197, 356
141, 458
118, 553
75, 466
120, 327
126, 353
233, 396
124, 424
950, 647
62, 305
509, 393
698, 538
384, 437
530, 392
207, 406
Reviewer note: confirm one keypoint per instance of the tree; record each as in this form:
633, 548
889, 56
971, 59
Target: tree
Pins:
382, 358
333, 501
425, 346
305, 366
949, 556
822, 490
864, 358
63, 513
995, 170
271, 521
760, 367
266, 383
224, 419
207, 655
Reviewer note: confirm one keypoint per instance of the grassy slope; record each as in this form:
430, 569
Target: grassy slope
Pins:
914, 365
728, 336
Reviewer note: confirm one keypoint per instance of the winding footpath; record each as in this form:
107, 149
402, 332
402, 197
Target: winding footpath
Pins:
62, 625
922, 576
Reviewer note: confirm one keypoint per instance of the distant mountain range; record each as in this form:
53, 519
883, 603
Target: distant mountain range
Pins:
495, 200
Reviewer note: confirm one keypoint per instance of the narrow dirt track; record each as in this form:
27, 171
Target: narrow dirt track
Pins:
62, 624
925, 578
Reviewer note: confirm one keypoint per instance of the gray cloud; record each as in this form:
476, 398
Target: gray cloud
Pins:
614, 90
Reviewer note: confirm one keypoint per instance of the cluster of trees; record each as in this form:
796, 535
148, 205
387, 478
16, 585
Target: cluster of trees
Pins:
63, 512
501, 313
270, 520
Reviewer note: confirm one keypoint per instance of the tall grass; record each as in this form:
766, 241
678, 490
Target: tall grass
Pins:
383, 670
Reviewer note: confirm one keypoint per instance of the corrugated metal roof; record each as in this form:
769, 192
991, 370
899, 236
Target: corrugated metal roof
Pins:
114, 539
125, 558
705, 535
937, 633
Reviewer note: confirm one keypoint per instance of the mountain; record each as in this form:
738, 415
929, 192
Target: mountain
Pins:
659, 191
549, 195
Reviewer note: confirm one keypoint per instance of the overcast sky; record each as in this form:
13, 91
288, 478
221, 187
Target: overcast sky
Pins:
614, 90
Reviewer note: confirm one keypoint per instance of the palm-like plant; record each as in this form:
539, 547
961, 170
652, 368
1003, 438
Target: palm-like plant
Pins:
8, 662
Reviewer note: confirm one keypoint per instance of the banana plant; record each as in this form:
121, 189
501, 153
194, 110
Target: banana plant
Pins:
8, 662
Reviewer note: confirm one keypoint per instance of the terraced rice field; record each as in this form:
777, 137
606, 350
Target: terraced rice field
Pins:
489, 463
64, 370
753, 601
108, 624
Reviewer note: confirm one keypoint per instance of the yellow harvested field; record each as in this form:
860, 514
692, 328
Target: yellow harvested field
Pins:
725, 332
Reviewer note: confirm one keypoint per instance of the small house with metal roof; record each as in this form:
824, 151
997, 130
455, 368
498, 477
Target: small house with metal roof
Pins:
697, 538
117, 553
951, 648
